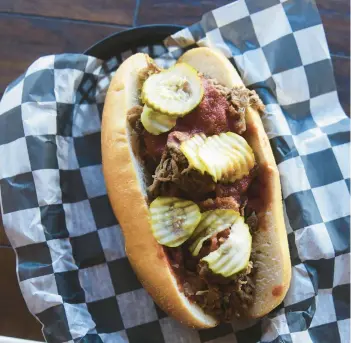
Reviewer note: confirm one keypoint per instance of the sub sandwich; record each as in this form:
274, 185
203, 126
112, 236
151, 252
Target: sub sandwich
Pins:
193, 182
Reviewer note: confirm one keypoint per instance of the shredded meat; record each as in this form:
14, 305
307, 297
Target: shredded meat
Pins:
150, 163
236, 120
227, 203
237, 188
176, 138
234, 296
239, 99
239, 96
149, 148
214, 242
222, 109
208, 117
144, 73
244, 202
173, 171
217, 295
173, 174
133, 117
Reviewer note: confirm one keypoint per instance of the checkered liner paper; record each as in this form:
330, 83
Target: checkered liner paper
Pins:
71, 263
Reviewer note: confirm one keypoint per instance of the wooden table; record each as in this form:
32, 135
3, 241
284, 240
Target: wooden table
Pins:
33, 28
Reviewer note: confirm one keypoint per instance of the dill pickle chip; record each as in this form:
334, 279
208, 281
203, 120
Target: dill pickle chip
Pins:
226, 157
190, 147
234, 254
243, 150
156, 122
173, 220
175, 91
212, 222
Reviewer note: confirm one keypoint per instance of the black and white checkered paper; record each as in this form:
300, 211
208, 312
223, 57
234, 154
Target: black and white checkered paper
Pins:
71, 262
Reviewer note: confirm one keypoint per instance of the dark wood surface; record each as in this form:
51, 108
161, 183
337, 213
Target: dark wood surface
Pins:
120, 12
15, 319
33, 28
3, 238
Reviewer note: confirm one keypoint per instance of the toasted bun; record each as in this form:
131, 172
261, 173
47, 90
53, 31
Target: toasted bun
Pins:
126, 188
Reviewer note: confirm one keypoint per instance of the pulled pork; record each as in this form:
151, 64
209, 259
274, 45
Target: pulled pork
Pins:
230, 196
239, 99
133, 117
138, 144
144, 73
226, 203
214, 242
221, 110
219, 296
173, 172
226, 297
238, 187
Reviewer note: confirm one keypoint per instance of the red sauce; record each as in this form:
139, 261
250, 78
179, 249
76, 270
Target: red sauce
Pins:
155, 144
210, 117
213, 243
243, 184
234, 189
277, 291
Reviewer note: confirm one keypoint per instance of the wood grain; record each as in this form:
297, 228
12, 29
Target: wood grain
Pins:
25, 39
175, 12
3, 238
342, 78
15, 319
335, 16
104, 11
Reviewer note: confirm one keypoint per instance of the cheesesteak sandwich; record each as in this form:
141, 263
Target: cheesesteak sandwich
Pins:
193, 182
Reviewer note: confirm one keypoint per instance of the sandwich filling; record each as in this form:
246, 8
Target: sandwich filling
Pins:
202, 184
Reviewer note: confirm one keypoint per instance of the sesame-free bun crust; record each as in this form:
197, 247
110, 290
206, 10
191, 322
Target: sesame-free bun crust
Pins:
127, 192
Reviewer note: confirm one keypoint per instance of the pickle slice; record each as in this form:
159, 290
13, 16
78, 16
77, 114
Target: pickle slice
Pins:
173, 220
227, 157
212, 222
243, 151
175, 91
190, 147
156, 122
234, 254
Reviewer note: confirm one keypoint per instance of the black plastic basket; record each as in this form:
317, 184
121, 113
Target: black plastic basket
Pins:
131, 39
